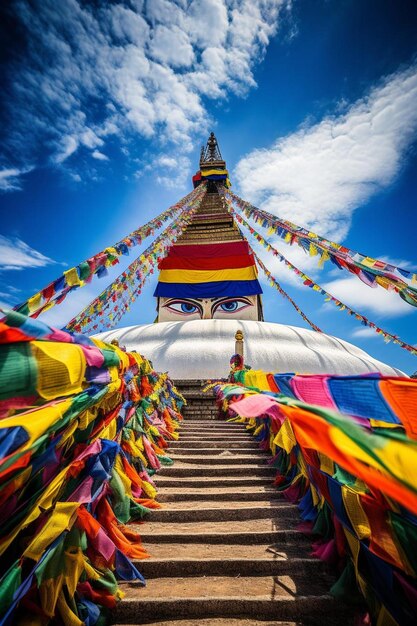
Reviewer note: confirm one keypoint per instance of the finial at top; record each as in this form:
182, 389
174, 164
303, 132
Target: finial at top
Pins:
211, 152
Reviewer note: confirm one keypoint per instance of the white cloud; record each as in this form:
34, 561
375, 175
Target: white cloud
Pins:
99, 156
10, 178
68, 146
171, 46
212, 29
318, 176
15, 254
128, 69
360, 297
364, 332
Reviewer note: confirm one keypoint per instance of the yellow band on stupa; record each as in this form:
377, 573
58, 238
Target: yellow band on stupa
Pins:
207, 276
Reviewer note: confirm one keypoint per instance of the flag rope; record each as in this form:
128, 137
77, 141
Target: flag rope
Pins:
82, 274
307, 281
111, 301
372, 272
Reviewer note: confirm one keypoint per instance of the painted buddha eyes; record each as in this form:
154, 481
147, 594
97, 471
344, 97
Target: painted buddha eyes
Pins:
230, 306
227, 305
184, 307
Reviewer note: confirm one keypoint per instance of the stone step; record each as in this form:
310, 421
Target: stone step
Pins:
284, 564
215, 432
203, 412
275, 598
200, 512
212, 432
214, 424
269, 552
206, 444
207, 434
249, 537
200, 471
210, 481
228, 494
219, 622
220, 459
248, 449
218, 470
198, 394
241, 503
216, 526
227, 438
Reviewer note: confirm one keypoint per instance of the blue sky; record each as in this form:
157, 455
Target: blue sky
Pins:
105, 106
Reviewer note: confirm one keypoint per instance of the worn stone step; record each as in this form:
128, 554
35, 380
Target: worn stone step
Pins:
200, 403
218, 622
182, 528
247, 444
218, 470
212, 481
248, 537
278, 551
219, 459
229, 433
216, 512
205, 409
226, 438
228, 494
280, 565
213, 432
197, 394
229, 597
242, 503
234, 450
212, 424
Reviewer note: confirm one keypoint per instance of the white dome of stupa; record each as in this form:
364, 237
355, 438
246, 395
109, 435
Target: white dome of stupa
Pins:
201, 349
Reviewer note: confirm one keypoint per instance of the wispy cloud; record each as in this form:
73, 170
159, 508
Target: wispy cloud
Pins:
93, 71
15, 254
364, 332
359, 296
320, 174
96, 154
10, 178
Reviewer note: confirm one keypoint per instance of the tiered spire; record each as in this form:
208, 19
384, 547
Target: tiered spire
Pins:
210, 271
210, 153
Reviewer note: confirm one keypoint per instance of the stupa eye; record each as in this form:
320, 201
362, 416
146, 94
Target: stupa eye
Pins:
231, 306
184, 307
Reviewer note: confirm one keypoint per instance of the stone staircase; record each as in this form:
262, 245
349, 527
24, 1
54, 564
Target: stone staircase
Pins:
224, 548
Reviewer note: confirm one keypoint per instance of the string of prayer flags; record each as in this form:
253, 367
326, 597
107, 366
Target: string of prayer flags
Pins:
309, 282
345, 449
108, 308
274, 283
372, 272
82, 274
84, 426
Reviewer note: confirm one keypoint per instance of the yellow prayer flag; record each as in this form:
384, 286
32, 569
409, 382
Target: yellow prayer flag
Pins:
72, 278
61, 368
313, 250
62, 518
355, 512
34, 302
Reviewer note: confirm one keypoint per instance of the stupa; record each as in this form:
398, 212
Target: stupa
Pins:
208, 289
